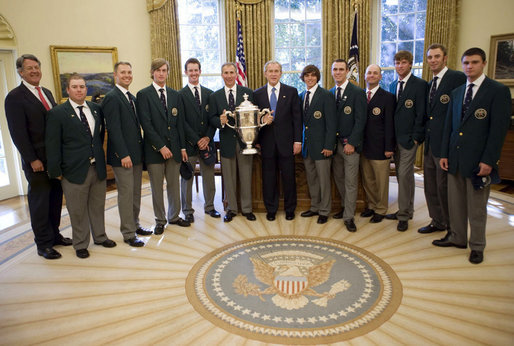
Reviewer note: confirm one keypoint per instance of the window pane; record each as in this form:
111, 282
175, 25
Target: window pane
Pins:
389, 6
420, 25
314, 9
281, 10
417, 72
387, 54
298, 59
313, 57
298, 10
406, 27
407, 45
296, 35
389, 28
419, 52
407, 6
421, 5
388, 77
313, 34
281, 35
293, 79
282, 56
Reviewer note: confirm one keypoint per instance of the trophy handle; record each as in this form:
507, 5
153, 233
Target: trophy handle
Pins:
262, 114
229, 114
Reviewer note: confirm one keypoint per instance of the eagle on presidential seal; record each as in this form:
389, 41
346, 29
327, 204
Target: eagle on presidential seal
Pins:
290, 279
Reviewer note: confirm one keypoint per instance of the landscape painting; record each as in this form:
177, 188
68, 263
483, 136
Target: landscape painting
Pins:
95, 64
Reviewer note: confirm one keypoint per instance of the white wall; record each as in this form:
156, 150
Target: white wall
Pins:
124, 24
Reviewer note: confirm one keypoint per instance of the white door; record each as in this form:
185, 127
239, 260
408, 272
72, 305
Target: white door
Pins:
10, 172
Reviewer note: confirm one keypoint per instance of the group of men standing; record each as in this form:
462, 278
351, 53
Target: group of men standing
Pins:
462, 116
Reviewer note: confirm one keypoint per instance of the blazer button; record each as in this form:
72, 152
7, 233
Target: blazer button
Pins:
431, 118
428, 130
169, 128
201, 123
460, 133
306, 127
458, 146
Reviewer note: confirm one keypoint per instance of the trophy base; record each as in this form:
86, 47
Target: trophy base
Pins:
249, 151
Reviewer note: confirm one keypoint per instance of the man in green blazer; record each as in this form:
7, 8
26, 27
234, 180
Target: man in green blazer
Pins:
409, 115
74, 145
199, 136
232, 160
351, 108
319, 142
161, 114
477, 123
125, 152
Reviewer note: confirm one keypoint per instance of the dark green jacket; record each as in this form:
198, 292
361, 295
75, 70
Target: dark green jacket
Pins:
161, 128
69, 146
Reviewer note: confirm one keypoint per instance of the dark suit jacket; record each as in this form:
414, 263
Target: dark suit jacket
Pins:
320, 124
196, 122
410, 111
479, 136
123, 129
26, 118
286, 127
218, 103
161, 128
437, 110
379, 130
351, 116
69, 146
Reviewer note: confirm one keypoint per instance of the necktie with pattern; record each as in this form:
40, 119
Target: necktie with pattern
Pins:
163, 100
467, 99
433, 89
369, 96
400, 90
84, 120
338, 96
131, 101
306, 106
231, 101
197, 98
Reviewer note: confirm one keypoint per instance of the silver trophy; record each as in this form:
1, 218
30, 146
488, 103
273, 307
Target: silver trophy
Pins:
248, 120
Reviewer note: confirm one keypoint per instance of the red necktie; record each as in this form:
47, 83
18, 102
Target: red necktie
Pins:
369, 96
42, 98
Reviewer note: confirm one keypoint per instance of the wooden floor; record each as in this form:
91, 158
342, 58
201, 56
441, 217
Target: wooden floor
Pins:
129, 296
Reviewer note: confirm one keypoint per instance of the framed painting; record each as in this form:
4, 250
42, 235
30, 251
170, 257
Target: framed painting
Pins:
95, 64
501, 59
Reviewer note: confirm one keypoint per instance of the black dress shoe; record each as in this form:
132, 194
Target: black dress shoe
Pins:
402, 225
367, 213
443, 239
190, 218
143, 231
322, 219
106, 243
63, 241
135, 242
49, 253
229, 216
308, 213
376, 218
270, 216
180, 222
350, 225
393, 216
476, 257
339, 215
250, 216
446, 243
430, 229
82, 253
290, 215
213, 213
158, 229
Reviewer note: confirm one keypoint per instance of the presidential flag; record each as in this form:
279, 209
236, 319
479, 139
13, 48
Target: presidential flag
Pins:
353, 56
240, 57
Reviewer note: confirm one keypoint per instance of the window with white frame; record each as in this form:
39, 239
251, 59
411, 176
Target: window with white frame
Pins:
200, 37
297, 38
402, 27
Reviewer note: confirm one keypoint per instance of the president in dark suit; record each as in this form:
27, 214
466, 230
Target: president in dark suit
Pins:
161, 114
351, 119
232, 160
319, 141
435, 179
26, 107
476, 126
199, 137
125, 152
280, 141
409, 116
378, 145
74, 147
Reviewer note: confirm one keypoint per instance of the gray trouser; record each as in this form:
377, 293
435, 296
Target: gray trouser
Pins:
208, 186
229, 167
86, 205
318, 179
436, 190
128, 184
170, 170
465, 203
346, 176
404, 163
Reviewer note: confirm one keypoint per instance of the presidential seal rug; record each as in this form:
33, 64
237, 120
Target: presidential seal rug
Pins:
294, 289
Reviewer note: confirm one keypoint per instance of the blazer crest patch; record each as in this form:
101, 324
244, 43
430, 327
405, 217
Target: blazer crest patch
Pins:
444, 99
317, 115
347, 110
376, 111
480, 114
174, 111
409, 103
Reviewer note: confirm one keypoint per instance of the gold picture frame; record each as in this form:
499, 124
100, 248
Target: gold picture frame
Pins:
501, 59
95, 64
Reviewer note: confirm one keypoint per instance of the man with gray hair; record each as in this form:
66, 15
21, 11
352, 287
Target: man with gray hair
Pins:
280, 141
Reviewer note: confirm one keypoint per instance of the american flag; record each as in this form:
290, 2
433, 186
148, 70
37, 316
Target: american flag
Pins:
240, 57
353, 56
